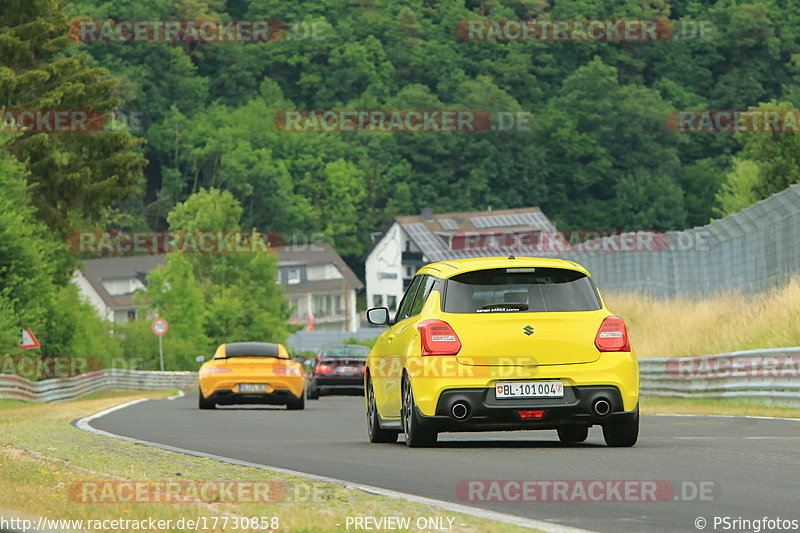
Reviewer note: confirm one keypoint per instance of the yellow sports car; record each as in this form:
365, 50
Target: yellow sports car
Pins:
252, 372
501, 344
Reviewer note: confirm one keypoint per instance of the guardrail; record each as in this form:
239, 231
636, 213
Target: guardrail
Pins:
771, 375
54, 390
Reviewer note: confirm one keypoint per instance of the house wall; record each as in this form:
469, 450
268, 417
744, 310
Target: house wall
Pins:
384, 271
90, 295
347, 320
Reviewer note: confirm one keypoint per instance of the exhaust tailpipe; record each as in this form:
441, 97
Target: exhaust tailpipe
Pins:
459, 410
601, 408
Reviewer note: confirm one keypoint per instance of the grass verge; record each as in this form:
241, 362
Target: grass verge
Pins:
36, 486
712, 406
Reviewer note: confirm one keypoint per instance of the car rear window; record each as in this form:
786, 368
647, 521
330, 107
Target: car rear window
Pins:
356, 350
508, 290
251, 349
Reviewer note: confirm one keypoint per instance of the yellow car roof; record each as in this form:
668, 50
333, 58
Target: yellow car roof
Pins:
448, 269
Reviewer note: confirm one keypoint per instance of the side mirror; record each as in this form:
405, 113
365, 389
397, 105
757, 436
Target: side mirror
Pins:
378, 316
200, 358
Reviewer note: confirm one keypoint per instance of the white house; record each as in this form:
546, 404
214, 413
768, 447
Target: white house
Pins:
413, 241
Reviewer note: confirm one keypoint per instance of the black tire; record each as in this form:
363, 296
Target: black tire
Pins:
297, 405
374, 430
202, 403
622, 431
313, 393
417, 436
571, 433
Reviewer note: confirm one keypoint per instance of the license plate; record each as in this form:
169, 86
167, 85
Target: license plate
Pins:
348, 370
529, 389
252, 387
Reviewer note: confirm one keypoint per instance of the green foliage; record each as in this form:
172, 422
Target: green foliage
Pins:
599, 156
29, 294
210, 299
76, 177
739, 188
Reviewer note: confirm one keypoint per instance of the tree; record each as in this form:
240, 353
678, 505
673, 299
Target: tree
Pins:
30, 293
76, 177
214, 298
603, 138
739, 188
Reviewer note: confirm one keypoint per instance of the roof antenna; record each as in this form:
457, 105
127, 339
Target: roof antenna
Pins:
511, 257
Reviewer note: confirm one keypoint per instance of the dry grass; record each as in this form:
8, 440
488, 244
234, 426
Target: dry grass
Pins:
686, 327
33, 486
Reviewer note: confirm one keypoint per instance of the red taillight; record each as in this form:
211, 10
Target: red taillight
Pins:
612, 335
438, 338
322, 368
531, 414
219, 370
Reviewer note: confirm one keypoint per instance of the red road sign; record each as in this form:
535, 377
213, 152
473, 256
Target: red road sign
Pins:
160, 326
28, 341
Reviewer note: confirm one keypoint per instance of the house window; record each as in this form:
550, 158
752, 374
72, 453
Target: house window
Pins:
377, 300
293, 276
409, 272
391, 302
131, 314
327, 305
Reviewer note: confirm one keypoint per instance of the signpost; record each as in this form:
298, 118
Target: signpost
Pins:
160, 327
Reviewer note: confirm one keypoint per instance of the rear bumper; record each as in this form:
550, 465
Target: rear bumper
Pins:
433, 377
224, 385
347, 382
488, 413
276, 397
344, 385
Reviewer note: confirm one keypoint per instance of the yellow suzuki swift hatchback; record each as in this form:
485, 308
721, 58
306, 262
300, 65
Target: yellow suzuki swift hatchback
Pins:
500, 344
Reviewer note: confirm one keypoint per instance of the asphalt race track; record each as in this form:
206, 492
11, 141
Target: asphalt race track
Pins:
752, 463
